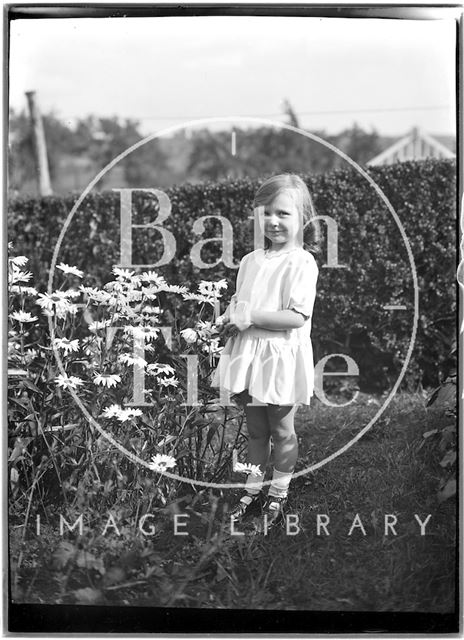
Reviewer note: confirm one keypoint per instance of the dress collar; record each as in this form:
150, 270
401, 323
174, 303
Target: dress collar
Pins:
275, 254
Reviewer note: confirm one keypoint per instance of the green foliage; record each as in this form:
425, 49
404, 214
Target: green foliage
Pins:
349, 315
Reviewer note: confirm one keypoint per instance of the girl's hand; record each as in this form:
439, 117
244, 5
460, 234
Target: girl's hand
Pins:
225, 327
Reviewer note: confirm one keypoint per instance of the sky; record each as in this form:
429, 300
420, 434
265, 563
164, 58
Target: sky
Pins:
388, 75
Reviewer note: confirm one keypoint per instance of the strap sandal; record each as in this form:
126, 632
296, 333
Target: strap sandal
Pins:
272, 513
244, 504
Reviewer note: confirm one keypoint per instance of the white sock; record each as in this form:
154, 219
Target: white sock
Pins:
279, 485
254, 484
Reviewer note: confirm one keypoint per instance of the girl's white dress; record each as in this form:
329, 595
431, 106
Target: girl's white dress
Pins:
276, 367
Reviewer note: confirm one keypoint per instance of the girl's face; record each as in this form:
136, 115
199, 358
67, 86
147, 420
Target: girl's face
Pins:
282, 221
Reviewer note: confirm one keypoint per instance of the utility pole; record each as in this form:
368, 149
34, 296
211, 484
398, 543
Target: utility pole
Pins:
40, 145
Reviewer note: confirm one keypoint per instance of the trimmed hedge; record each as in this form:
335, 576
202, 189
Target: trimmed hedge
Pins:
349, 315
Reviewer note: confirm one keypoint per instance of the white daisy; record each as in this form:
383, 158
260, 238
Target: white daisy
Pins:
130, 360
208, 288
107, 379
198, 297
128, 414
252, 469
54, 301
74, 271
168, 382
213, 346
206, 329
68, 346
111, 411
125, 275
72, 309
161, 462
148, 333
99, 324
153, 277
68, 382
28, 291
175, 288
23, 316
189, 335
30, 355
19, 261
150, 292
16, 275
133, 294
72, 293
118, 287
158, 367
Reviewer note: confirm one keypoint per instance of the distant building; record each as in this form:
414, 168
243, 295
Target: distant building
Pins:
417, 145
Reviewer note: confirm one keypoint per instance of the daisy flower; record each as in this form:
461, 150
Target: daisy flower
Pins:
16, 275
213, 346
106, 379
28, 291
74, 271
153, 277
57, 301
23, 316
68, 346
168, 382
137, 361
149, 333
161, 462
127, 414
112, 411
207, 288
198, 297
97, 325
252, 469
72, 309
72, 293
133, 294
189, 335
150, 292
19, 261
157, 367
206, 329
125, 275
30, 355
118, 287
68, 382
175, 288
98, 295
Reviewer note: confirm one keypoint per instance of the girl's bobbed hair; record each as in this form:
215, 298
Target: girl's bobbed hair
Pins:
291, 182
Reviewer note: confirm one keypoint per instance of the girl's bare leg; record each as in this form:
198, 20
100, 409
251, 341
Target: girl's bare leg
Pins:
259, 436
282, 428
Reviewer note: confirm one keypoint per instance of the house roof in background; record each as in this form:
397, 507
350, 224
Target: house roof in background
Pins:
416, 145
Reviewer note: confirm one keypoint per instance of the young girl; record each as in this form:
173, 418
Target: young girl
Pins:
268, 360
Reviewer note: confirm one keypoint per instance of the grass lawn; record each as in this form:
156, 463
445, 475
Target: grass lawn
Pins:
391, 470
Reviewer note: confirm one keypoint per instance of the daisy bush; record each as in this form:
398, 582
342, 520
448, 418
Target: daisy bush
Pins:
122, 351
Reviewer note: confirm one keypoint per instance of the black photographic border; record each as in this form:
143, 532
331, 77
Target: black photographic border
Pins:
72, 619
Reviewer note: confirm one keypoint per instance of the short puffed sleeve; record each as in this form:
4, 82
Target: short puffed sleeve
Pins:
299, 290
240, 277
